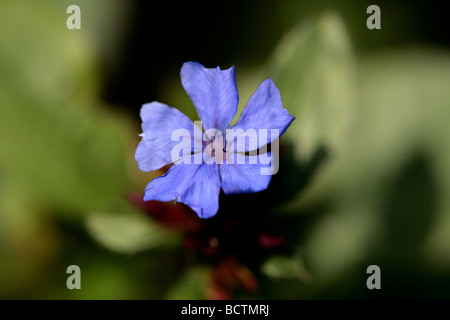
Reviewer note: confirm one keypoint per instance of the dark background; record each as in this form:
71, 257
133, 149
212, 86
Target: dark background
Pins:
161, 36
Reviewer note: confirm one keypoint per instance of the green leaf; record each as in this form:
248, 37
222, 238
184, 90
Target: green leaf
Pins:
56, 137
314, 68
61, 151
191, 285
406, 92
386, 194
126, 233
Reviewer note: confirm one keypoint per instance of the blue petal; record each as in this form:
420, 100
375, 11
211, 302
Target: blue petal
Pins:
158, 123
196, 185
264, 110
213, 93
244, 178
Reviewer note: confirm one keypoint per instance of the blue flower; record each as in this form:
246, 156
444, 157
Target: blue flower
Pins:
224, 156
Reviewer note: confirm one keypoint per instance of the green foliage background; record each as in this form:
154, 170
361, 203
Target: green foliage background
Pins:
379, 112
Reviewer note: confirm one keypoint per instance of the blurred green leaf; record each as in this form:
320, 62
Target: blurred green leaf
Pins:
376, 202
191, 285
61, 151
314, 68
283, 267
126, 233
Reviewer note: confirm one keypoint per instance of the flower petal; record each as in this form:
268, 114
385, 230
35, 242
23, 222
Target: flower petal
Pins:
242, 176
213, 93
159, 121
196, 185
264, 110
